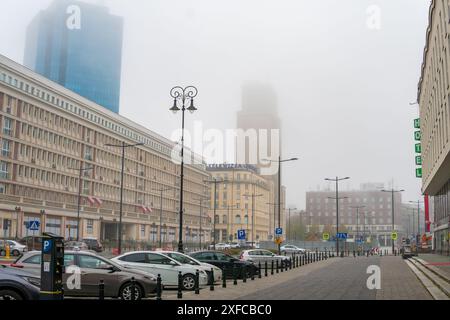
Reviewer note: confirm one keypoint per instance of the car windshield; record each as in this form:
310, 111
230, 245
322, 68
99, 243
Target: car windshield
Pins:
181, 258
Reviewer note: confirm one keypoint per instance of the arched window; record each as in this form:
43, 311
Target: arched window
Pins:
237, 219
216, 219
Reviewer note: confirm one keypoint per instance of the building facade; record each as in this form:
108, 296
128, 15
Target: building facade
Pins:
235, 209
374, 220
434, 105
79, 46
48, 133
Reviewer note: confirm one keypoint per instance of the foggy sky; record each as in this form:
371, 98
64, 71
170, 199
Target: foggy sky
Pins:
343, 90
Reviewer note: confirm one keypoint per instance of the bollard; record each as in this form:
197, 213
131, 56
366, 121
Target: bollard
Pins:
271, 268
244, 275
259, 270
252, 277
197, 280
7, 251
211, 280
234, 275
286, 265
282, 266
180, 284
224, 277
290, 263
133, 289
265, 268
277, 266
158, 287
101, 290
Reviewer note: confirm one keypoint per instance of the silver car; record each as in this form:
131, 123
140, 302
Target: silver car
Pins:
289, 249
261, 256
15, 248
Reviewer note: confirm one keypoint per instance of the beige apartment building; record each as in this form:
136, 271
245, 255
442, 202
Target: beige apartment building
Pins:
434, 103
235, 209
48, 133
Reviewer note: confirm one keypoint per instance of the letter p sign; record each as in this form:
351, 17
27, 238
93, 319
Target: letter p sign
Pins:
47, 246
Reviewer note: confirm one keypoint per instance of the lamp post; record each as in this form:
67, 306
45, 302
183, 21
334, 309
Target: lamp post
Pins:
357, 219
418, 223
279, 190
201, 216
161, 190
123, 145
215, 181
181, 94
392, 191
17, 209
80, 169
289, 223
253, 195
337, 179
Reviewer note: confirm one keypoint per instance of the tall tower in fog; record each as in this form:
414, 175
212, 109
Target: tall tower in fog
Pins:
79, 46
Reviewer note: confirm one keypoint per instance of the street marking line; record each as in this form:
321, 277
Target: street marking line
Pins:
432, 268
435, 292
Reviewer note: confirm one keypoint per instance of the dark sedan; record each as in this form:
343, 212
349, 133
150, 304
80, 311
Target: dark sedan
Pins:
227, 262
17, 284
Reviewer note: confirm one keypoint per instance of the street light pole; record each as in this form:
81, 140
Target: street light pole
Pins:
279, 190
215, 181
80, 169
161, 190
357, 220
418, 223
179, 93
123, 145
337, 179
392, 191
253, 195
201, 216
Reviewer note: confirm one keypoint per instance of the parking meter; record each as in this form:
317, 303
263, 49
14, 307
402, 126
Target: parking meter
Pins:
52, 267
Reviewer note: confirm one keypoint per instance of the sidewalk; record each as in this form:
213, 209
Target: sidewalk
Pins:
439, 261
232, 292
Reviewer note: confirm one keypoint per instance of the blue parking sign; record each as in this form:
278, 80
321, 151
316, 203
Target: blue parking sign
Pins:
47, 246
241, 234
279, 231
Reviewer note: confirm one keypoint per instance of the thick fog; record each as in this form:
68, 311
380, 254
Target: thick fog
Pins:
344, 73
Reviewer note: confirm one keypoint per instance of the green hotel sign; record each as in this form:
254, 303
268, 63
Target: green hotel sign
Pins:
417, 123
418, 172
418, 148
417, 135
418, 160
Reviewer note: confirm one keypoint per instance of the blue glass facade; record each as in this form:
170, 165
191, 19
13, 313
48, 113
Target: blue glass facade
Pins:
86, 60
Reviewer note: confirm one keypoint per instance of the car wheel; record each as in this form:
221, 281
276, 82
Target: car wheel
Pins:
2, 253
125, 292
188, 282
16, 253
10, 295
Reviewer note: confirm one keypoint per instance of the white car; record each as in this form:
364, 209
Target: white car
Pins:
221, 246
261, 256
158, 263
289, 249
15, 248
185, 259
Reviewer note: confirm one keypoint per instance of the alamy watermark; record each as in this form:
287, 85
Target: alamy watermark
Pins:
374, 280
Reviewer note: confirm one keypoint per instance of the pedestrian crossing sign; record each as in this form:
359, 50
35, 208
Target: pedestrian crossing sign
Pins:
394, 235
326, 236
278, 240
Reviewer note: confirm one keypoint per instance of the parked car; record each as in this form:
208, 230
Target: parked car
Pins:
76, 246
15, 248
234, 245
261, 256
407, 252
93, 244
156, 262
185, 259
93, 268
32, 242
18, 284
225, 261
290, 249
220, 246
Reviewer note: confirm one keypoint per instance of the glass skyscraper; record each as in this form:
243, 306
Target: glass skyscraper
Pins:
79, 46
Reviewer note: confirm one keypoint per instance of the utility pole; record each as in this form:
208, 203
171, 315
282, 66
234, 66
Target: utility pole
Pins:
392, 191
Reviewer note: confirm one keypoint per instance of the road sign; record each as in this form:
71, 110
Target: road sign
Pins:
341, 235
278, 240
33, 225
394, 235
279, 231
326, 236
241, 234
